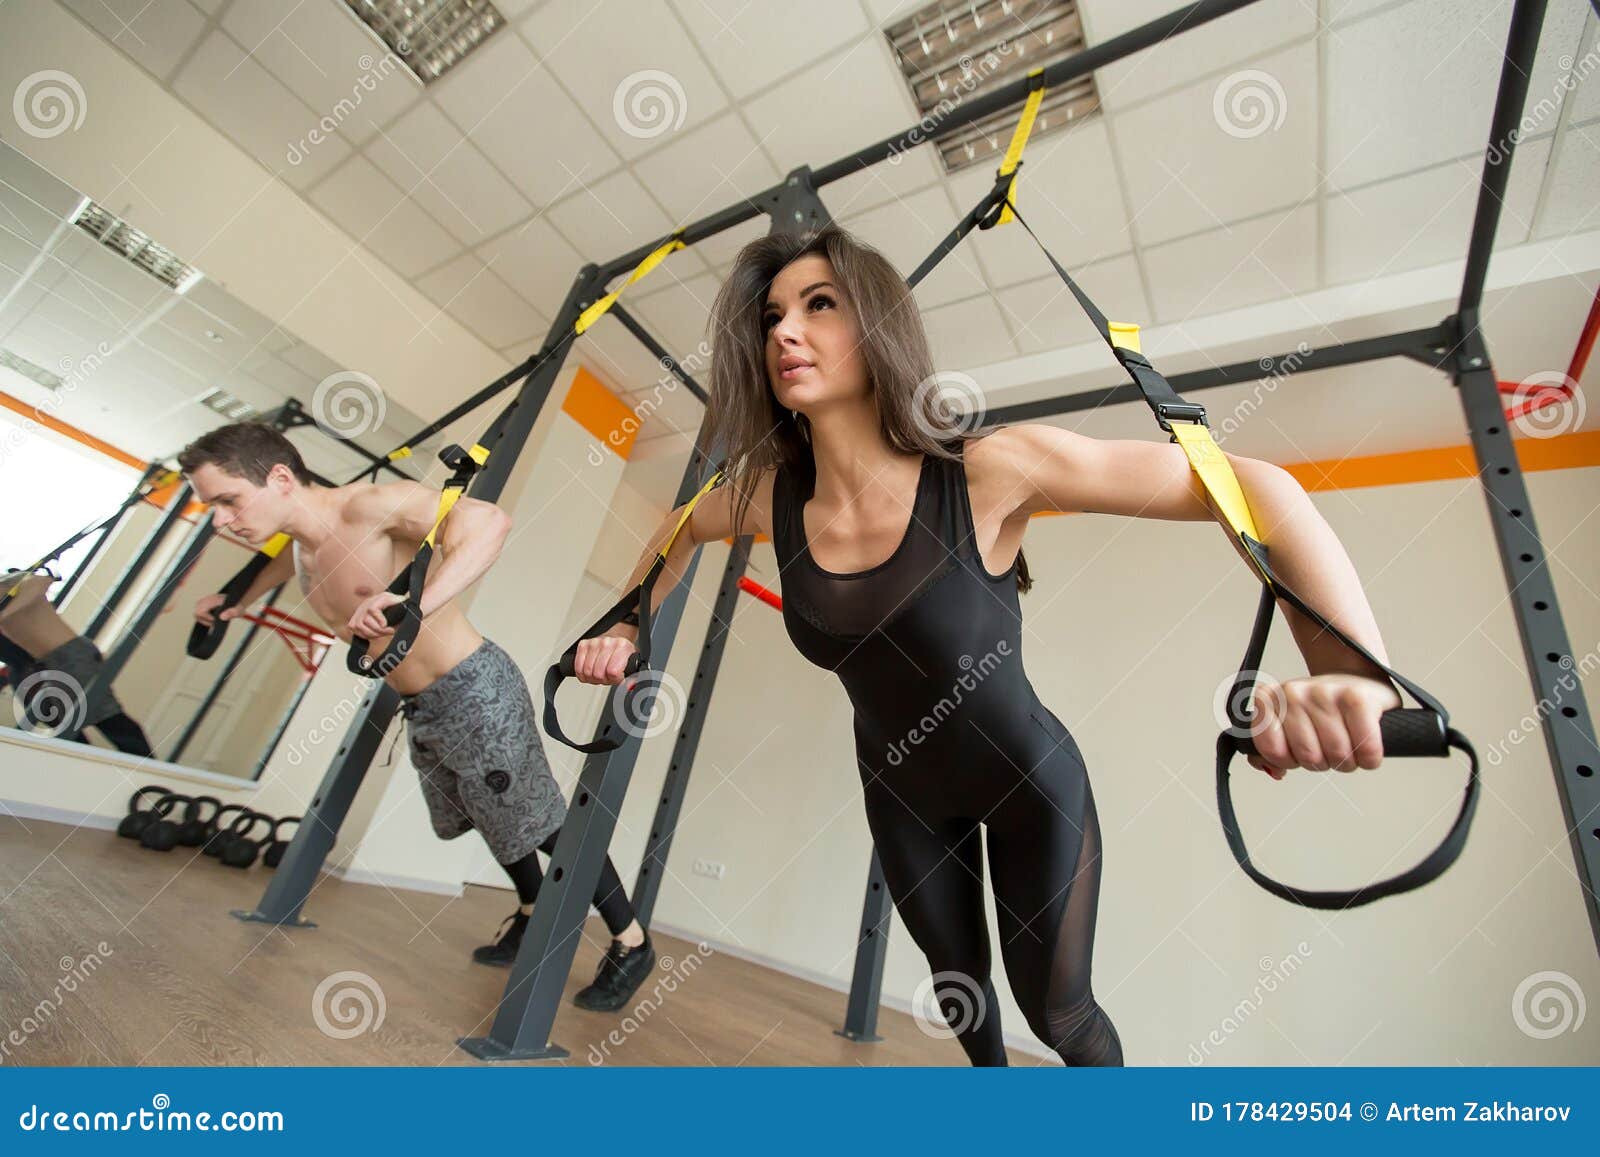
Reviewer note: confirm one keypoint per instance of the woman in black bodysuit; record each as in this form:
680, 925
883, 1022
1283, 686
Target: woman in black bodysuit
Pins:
841, 441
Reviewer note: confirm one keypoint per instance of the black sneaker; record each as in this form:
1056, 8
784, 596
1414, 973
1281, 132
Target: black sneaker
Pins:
503, 952
622, 971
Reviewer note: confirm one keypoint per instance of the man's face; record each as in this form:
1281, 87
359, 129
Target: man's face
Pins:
253, 513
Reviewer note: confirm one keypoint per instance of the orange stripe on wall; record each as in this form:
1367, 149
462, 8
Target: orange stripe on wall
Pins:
71, 432
602, 413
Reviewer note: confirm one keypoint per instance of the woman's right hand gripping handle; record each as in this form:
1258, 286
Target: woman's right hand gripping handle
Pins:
605, 658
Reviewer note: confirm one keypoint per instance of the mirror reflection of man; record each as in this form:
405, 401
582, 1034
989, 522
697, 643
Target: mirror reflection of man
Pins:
50, 667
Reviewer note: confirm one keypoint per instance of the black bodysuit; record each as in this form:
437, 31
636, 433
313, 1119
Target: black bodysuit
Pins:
950, 734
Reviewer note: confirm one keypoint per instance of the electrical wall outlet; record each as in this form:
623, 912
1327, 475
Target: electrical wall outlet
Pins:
710, 869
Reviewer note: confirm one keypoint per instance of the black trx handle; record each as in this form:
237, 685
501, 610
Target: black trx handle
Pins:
639, 597
204, 640
406, 617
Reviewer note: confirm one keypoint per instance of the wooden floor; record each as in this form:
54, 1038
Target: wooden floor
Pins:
184, 983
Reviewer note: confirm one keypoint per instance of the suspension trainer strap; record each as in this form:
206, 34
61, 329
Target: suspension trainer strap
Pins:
635, 603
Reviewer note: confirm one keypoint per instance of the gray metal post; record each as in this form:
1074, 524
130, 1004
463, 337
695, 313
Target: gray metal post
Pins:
1559, 703
314, 838
527, 1011
872, 949
136, 566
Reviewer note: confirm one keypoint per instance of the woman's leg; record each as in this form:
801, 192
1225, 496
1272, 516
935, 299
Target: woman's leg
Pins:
935, 875
1046, 867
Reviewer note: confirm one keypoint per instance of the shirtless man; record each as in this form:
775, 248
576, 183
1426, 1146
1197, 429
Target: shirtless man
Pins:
470, 719
49, 667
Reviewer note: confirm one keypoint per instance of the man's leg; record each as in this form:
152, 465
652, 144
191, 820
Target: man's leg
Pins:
124, 734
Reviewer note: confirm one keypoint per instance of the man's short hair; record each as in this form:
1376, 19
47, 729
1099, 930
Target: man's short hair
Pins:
245, 450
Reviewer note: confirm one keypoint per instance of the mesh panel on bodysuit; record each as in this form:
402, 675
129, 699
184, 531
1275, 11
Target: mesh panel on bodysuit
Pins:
862, 602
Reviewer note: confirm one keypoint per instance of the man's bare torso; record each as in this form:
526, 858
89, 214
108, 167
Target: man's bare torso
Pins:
357, 560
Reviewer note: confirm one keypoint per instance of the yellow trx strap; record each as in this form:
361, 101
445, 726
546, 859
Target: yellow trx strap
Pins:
716, 476
275, 545
596, 311
452, 492
1019, 141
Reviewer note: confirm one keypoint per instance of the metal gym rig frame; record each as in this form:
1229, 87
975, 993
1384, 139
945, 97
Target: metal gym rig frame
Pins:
526, 1013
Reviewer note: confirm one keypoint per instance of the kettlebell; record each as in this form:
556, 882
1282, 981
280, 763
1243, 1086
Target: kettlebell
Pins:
241, 851
161, 833
194, 829
139, 817
217, 833
276, 849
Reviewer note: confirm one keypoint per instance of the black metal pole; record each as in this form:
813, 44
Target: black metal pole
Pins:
141, 559
221, 681
1521, 44
313, 839
1559, 700
658, 351
283, 725
872, 949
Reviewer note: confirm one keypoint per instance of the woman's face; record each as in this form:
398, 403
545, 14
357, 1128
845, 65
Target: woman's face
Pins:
813, 342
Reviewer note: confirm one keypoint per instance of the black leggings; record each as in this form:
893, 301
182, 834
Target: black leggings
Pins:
124, 734
610, 897
1046, 885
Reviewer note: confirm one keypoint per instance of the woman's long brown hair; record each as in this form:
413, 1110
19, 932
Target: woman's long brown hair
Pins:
744, 417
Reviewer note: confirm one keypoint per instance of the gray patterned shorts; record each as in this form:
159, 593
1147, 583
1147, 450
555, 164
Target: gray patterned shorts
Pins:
475, 743
80, 661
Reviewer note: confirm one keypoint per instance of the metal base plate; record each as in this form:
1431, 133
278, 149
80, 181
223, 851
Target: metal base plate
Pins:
855, 1036
488, 1049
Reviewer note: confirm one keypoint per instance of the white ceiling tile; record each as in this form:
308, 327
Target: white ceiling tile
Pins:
750, 44
1044, 315
1586, 101
250, 105
1197, 52
830, 111
1272, 257
1389, 115
614, 216
368, 206
328, 57
1191, 165
678, 316
720, 250
1424, 218
155, 33
967, 334
429, 158
667, 406
1571, 205
509, 103
891, 11
708, 169
1340, 11
536, 261
907, 230
898, 176
628, 64
1069, 193
521, 352
467, 290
